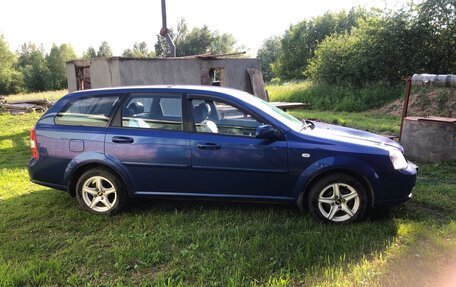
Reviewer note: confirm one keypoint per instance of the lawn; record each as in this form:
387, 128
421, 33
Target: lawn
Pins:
46, 239
49, 95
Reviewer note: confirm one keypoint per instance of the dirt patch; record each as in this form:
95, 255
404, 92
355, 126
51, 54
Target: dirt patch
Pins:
448, 277
425, 264
425, 102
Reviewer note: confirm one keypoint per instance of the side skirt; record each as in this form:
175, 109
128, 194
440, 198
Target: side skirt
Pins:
228, 197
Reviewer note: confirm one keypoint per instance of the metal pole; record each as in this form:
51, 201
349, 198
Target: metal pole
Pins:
164, 14
408, 87
164, 30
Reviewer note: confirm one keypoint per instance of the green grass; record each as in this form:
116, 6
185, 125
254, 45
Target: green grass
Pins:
337, 98
49, 95
46, 239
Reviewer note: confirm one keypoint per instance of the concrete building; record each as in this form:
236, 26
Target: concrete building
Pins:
238, 73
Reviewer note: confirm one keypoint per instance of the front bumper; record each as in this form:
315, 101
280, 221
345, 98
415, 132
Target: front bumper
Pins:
397, 187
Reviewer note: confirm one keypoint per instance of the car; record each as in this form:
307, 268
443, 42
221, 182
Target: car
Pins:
106, 146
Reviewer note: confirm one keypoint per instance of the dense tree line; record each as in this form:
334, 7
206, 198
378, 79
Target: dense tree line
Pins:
31, 69
362, 47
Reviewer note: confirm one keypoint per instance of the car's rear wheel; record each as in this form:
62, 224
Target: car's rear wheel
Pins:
100, 192
337, 198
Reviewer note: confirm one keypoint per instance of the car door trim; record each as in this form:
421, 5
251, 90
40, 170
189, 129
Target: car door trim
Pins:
170, 165
240, 169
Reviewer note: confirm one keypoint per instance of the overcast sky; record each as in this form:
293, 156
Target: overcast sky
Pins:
85, 23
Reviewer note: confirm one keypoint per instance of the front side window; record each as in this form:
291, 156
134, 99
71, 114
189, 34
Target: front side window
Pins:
275, 112
153, 111
91, 111
222, 118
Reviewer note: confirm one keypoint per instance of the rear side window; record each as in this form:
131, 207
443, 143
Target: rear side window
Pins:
153, 111
91, 112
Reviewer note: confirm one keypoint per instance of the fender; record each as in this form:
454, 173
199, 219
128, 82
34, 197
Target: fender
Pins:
336, 163
98, 158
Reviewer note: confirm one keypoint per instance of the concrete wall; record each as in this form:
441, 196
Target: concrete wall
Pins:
104, 72
113, 72
71, 77
159, 72
429, 141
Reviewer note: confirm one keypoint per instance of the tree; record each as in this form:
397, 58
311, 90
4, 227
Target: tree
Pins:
388, 47
10, 77
222, 43
196, 41
89, 53
437, 22
268, 54
161, 47
56, 63
32, 65
139, 50
104, 50
300, 41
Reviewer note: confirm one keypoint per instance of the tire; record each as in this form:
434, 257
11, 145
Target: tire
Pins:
337, 198
109, 199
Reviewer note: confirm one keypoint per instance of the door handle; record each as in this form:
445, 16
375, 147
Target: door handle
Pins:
211, 146
122, 140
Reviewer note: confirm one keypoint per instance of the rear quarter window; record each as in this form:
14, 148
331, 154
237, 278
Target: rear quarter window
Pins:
91, 111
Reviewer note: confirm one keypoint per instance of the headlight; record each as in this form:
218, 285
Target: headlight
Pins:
397, 159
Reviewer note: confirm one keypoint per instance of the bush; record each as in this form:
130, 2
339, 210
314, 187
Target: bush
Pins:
299, 42
389, 47
380, 50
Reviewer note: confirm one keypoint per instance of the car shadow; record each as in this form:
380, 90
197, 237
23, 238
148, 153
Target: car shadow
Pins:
144, 205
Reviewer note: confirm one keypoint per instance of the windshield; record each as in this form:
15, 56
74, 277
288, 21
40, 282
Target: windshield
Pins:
277, 113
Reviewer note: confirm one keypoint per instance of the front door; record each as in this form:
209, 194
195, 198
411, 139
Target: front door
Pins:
227, 158
150, 142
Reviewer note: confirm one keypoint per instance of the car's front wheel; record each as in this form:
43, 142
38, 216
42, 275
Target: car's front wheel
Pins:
337, 198
100, 192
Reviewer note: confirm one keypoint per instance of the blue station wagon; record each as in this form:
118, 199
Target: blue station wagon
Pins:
106, 146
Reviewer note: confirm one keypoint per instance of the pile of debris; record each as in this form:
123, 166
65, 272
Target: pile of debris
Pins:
25, 106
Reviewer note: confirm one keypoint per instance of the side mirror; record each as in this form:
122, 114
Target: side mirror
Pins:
265, 132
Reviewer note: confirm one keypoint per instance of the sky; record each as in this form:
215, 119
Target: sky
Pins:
85, 23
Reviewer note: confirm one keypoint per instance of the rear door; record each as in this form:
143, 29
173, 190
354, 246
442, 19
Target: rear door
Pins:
147, 136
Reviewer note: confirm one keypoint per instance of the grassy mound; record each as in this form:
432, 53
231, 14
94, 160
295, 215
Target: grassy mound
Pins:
336, 98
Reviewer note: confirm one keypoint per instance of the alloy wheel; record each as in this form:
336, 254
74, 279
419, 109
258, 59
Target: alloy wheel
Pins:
99, 193
338, 202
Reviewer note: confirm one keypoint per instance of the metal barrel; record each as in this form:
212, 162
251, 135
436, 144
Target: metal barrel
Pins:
434, 80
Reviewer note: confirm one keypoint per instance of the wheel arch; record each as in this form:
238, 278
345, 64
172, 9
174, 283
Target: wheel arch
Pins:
75, 169
307, 181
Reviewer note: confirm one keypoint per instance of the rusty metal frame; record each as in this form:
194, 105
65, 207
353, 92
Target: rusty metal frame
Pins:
408, 87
